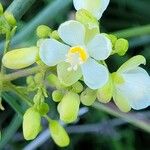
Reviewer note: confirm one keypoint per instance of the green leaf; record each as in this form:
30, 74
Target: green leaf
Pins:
66, 77
132, 63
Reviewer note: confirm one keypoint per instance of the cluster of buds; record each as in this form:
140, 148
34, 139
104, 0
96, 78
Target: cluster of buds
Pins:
71, 61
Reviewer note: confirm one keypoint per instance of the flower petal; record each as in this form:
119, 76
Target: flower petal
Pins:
72, 33
99, 47
66, 77
96, 7
132, 63
95, 75
121, 101
136, 88
52, 52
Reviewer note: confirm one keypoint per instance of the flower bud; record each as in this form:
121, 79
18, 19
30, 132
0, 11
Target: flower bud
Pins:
10, 18
77, 87
20, 58
55, 35
112, 38
88, 97
105, 93
69, 107
43, 108
31, 124
58, 133
57, 95
43, 31
54, 81
121, 46
1, 9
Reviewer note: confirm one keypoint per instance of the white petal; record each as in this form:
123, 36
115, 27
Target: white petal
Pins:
99, 47
72, 33
52, 52
96, 7
95, 75
136, 88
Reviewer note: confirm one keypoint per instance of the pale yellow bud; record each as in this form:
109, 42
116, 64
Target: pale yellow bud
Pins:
20, 58
59, 134
31, 124
69, 107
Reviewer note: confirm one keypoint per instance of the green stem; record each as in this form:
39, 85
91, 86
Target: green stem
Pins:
133, 32
21, 73
19, 7
20, 94
125, 116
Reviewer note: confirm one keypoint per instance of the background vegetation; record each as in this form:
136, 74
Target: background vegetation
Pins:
99, 127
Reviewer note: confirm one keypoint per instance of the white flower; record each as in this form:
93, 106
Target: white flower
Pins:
134, 91
95, 7
79, 56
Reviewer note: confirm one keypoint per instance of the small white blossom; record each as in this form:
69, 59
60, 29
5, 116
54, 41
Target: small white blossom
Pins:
134, 91
78, 54
95, 7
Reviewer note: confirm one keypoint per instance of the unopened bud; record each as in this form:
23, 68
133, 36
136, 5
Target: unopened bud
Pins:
55, 35
43, 31
10, 18
121, 46
77, 87
58, 133
20, 58
88, 97
43, 108
112, 38
69, 107
54, 81
57, 95
31, 124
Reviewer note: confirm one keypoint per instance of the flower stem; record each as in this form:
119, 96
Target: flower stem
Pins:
21, 73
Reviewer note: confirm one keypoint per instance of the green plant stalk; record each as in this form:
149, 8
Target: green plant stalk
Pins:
21, 73
19, 7
10, 130
125, 116
133, 32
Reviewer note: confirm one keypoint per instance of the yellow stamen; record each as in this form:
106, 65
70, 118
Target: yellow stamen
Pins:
81, 51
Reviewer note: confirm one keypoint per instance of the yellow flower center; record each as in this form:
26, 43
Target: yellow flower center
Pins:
76, 56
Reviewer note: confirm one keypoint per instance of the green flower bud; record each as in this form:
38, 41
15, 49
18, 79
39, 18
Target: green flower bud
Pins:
10, 18
55, 35
20, 58
59, 134
121, 46
31, 124
69, 107
54, 81
77, 87
38, 98
57, 95
105, 93
43, 31
1, 9
113, 39
88, 97
43, 108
